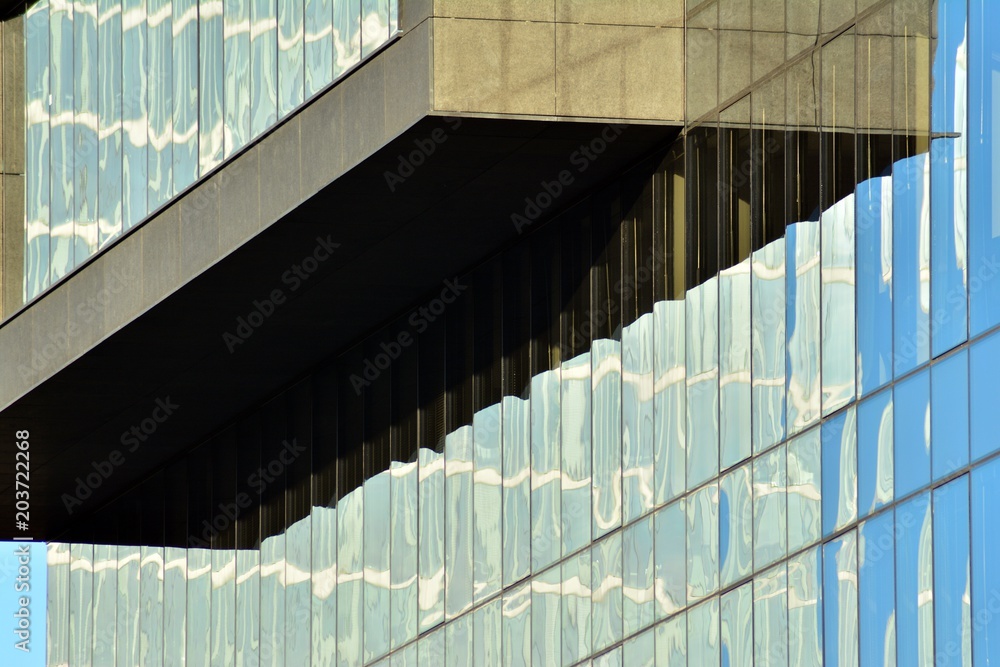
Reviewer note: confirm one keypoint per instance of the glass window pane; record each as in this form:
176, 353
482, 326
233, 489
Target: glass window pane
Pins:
984, 167
350, 573
85, 61
952, 608
874, 283
736, 620
984, 384
576, 452
318, 45
57, 605
376, 565
185, 81
671, 399
161, 110
840, 471
105, 599
36, 147
910, 263
805, 608
671, 559
612, 658
671, 642
768, 335
431, 538
346, 35
607, 456
703, 542
458, 574
637, 417
985, 574
838, 305
486, 634
516, 489
914, 582
702, 382
516, 627
912, 433
637, 576
487, 503
134, 114
949, 179
431, 648
576, 591
109, 119
263, 66
876, 591
840, 600
736, 525
546, 544
802, 283
546, 617
804, 490
374, 25
458, 642
210, 91
61, 134
199, 604
875, 453
81, 608
236, 56
734, 363
640, 651
770, 618
324, 587
291, 67
606, 605
703, 633
950, 414
769, 507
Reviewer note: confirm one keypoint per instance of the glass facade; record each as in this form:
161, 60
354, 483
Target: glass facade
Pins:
129, 102
737, 407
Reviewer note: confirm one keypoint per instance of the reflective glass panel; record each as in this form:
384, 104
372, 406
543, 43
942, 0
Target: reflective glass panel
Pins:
606, 600
199, 605
516, 489
703, 633
458, 642
576, 452
769, 507
702, 382
804, 490
736, 525
910, 263
770, 618
516, 627
174, 608
671, 559
874, 283
875, 427
638, 576
985, 574
105, 599
85, 126
318, 45
223, 607
802, 321
430, 561
376, 566
912, 433
546, 617
263, 66
876, 591
637, 417
839, 354
736, 608
671, 642
350, 577
607, 453
546, 490
576, 591
210, 89
161, 109
840, 471
952, 581
671, 399
950, 414
734, 363
805, 608
702, 542
840, 600
458, 575
640, 651
984, 383
768, 348
81, 609
36, 148
914, 583
486, 634
185, 98
135, 182
487, 503
324, 588
291, 66
236, 57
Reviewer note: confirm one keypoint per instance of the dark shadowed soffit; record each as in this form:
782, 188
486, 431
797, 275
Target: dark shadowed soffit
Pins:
396, 248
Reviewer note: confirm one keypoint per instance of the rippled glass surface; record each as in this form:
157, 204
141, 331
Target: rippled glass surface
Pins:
576, 606
911, 263
175, 608
838, 305
804, 463
105, 600
770, 614
952, 574
487, 505
703, 542
914, 583
702, 382
81, 606
984, 385
985, 503
236, 62
768, 347
840, 600
840, 471
291, 70
430, 562
576, 449
670, 406
876, 591
802, 321
912, 433
606, 598
703, 633
984, 166
324, 590
640, 651
805, 608
638, 586
671, 559
606, 419
516, 491
546, 617
637, 418
546, 489
950, 414
874, 279
36, 149
376, 565
486, 635
671, 642
769, 507
736, 634
736, 522
223, 619
734, 364
516, 626
458, 574
875, 453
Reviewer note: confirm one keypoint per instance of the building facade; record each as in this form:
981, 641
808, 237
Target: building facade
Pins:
705, 375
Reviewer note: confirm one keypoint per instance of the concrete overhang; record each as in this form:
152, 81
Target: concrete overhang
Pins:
411, 185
